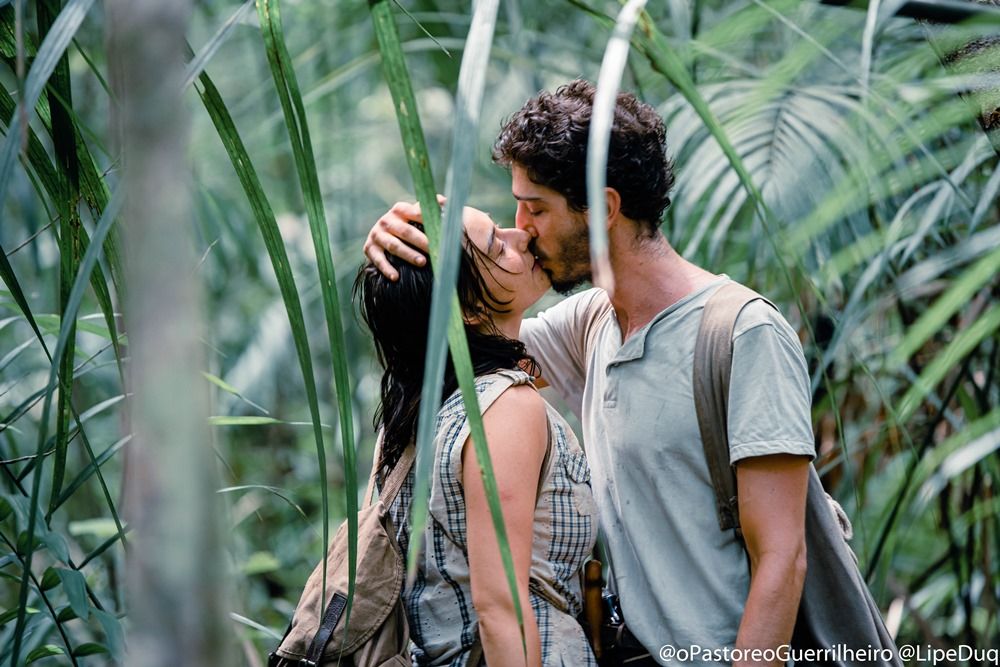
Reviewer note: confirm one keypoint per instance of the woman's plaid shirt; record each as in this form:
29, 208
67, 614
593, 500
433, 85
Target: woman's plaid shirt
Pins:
442, 620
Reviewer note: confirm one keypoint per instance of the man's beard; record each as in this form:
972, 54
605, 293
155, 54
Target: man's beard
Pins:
566, 283
571, 267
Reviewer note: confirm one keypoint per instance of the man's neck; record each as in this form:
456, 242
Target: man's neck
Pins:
650, 276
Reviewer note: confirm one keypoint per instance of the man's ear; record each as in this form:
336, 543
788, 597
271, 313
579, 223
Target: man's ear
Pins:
614, 204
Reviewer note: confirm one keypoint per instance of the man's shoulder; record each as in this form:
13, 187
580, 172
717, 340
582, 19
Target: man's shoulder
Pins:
594, 298
762, 313
581, 308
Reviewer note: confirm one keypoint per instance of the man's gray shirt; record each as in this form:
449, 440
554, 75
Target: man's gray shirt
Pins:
682, 581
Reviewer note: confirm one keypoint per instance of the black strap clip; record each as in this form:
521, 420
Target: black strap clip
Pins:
275, 660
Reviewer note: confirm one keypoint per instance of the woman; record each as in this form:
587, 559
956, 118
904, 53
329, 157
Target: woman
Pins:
460, 600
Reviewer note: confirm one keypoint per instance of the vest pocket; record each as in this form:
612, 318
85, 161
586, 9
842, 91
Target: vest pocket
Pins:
578, 471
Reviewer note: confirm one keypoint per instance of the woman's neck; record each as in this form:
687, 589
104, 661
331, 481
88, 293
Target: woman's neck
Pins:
508, 324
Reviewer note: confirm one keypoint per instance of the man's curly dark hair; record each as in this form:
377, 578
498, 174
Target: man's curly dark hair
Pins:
548, 138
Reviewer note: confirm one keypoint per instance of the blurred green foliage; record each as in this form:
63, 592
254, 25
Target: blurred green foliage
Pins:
873, 140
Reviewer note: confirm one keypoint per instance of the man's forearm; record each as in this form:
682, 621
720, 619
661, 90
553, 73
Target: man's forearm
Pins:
772, 604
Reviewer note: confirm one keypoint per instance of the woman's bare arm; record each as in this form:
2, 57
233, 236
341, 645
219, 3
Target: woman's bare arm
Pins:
517, 435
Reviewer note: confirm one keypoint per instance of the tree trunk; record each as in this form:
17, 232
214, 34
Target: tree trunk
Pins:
176, 592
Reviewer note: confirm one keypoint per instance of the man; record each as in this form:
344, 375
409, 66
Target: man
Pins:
625, 361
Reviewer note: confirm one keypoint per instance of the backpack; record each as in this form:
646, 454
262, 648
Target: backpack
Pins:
378, 635
836, 609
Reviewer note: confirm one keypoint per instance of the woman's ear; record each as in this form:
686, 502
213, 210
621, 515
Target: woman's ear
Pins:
477, 317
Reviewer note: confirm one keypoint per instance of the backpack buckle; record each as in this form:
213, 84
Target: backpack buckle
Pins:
275, 660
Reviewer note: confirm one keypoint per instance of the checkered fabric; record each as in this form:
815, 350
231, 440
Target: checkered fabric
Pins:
439, 603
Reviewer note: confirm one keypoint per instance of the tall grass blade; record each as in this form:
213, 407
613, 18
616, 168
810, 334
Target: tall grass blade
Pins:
52, 185
93, 189
601, 119
87, 265
64, 147
10, 280
305, 163
200, 61
81, 179
49, 53
469, 100
92, 468
266, 222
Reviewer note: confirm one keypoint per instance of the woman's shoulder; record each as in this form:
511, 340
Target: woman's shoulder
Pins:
489, 387
521, 402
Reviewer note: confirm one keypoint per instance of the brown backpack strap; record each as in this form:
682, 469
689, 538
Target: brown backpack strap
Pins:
475, 657
394, 481
713, 361
373, 475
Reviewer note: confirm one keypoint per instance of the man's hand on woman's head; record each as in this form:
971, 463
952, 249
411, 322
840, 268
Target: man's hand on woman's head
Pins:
393, 234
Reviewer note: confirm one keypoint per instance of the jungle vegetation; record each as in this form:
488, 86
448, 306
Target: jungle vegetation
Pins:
186, 392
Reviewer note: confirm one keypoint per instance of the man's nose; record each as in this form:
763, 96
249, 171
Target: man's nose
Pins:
524, 224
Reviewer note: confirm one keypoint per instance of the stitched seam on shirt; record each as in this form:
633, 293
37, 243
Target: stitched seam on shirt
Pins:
775, 442
751, 450
755, 325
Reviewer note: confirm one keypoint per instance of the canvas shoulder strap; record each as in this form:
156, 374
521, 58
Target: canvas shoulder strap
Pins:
713, 361
394, 480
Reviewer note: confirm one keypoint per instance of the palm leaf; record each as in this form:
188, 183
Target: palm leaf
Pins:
965, 341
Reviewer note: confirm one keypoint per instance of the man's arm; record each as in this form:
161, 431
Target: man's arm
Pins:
771, 443
772, 499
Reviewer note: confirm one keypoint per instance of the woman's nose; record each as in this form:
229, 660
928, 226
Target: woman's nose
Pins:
520, 238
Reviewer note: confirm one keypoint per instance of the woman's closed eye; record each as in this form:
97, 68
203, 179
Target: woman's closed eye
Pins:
499, 246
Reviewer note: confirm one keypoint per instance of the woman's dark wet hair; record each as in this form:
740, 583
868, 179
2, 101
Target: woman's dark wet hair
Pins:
398, 314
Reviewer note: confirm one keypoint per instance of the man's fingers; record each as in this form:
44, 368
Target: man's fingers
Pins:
377, 257
405, 252
393, 234
390, 228
405, 210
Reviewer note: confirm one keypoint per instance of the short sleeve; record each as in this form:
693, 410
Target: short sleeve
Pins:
770, 409
558, 338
